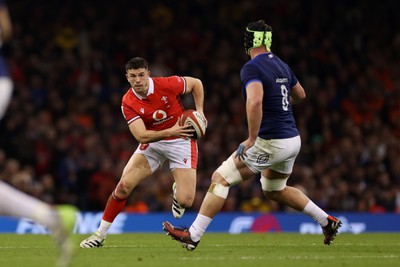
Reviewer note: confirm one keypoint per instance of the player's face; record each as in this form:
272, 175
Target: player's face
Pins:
139, 80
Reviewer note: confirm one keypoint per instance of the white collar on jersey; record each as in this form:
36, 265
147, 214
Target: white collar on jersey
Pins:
149, 92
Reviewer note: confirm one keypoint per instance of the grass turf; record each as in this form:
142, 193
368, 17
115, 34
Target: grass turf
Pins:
270, 249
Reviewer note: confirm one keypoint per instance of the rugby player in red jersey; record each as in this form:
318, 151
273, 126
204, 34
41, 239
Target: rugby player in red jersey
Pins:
152, 107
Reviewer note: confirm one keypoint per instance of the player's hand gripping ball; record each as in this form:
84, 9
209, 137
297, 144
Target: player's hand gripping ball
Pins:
196, 120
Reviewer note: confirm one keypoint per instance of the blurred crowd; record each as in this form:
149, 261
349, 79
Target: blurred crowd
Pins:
64, 139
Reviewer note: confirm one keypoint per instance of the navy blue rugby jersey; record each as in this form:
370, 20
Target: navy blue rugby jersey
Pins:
277, 79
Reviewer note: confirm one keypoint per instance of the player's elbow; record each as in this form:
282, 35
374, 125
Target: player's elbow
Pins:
296, 99
254, 103
298, 96
298, 93
301, 96
198, 86
143, 139
194, 85
196, 81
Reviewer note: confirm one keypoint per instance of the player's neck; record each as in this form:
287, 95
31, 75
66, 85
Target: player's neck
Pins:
257, 51
141, 94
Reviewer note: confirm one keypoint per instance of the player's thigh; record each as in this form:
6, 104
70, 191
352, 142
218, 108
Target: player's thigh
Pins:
243, 169
181, 153
135, 170
154, 153
185, 179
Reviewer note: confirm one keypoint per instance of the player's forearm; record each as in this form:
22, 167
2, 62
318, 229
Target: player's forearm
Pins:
294, 101
254, 116
297, 94
150, 136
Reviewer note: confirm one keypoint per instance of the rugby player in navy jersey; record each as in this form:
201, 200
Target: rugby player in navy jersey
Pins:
270, 88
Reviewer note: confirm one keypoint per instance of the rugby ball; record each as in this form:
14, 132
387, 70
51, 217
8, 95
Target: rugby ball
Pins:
196, 120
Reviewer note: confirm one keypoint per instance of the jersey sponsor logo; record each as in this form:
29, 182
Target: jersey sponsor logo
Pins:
159, 115
161, 121
281, 80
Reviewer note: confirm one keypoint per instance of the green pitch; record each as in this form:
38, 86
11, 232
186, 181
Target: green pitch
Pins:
271, 249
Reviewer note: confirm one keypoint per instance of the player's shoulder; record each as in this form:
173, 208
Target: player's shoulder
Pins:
250, 66
173, 85
128, 96
167, 79
265, 58
274, 59
270, 59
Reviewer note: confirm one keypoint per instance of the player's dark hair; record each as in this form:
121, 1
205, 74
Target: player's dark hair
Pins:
259, 26
136, 63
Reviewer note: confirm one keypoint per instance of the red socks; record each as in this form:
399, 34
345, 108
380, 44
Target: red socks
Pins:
114, 206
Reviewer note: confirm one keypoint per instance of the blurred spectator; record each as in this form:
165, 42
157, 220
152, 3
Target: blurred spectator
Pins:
101, 184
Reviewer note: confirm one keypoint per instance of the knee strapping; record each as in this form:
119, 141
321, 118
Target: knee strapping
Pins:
229, 172
272, 184
219, 190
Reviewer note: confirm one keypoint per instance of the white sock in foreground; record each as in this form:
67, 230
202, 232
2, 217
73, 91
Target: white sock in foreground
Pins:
199, 226
316, 213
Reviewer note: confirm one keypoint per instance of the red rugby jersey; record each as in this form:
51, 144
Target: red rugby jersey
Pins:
162, 106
